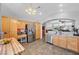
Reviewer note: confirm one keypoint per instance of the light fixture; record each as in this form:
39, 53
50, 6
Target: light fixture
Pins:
30, 9
29, 13
61, 10
60, 5
33, 11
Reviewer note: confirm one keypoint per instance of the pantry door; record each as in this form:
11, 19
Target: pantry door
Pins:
38, 29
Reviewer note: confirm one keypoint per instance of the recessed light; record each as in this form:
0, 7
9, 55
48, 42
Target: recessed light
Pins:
61, 10
26, 10
60, 5
30, 9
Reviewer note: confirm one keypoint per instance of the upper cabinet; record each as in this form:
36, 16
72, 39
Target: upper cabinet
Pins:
6, 26
13, 28
10, 26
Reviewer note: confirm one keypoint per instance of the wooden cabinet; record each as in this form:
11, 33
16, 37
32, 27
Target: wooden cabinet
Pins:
62, 42
10, 26
13, 28
72, 43
56, 40
21, 24
6, 26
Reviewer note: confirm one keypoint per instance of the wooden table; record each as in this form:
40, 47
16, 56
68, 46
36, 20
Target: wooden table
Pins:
13, 48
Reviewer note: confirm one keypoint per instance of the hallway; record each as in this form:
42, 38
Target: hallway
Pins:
40, 47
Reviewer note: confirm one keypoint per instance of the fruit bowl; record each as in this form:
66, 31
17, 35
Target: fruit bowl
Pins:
5, 41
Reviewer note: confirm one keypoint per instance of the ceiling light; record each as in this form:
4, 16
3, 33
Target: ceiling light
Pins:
34, 11
29, 13
60, 5
61, 10
30, 9
26, 10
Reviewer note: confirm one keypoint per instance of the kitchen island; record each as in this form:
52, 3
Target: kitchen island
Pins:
67, 42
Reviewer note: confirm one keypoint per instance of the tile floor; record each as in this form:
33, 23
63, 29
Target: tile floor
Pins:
40, 47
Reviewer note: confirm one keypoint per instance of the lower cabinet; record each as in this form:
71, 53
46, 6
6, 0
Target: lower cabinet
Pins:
56, 40
71, 43
63, 42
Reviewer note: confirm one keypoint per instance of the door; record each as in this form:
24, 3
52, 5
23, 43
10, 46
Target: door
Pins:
38, 30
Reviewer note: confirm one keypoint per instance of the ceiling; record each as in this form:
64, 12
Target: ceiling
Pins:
49, 11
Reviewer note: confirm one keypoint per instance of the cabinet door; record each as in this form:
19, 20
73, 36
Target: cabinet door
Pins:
13, 28
21, 24
62, 42
56, 40
6, 26
72, 43
78, 44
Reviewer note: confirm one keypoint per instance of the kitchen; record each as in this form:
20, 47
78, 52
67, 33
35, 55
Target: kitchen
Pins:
38, 28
